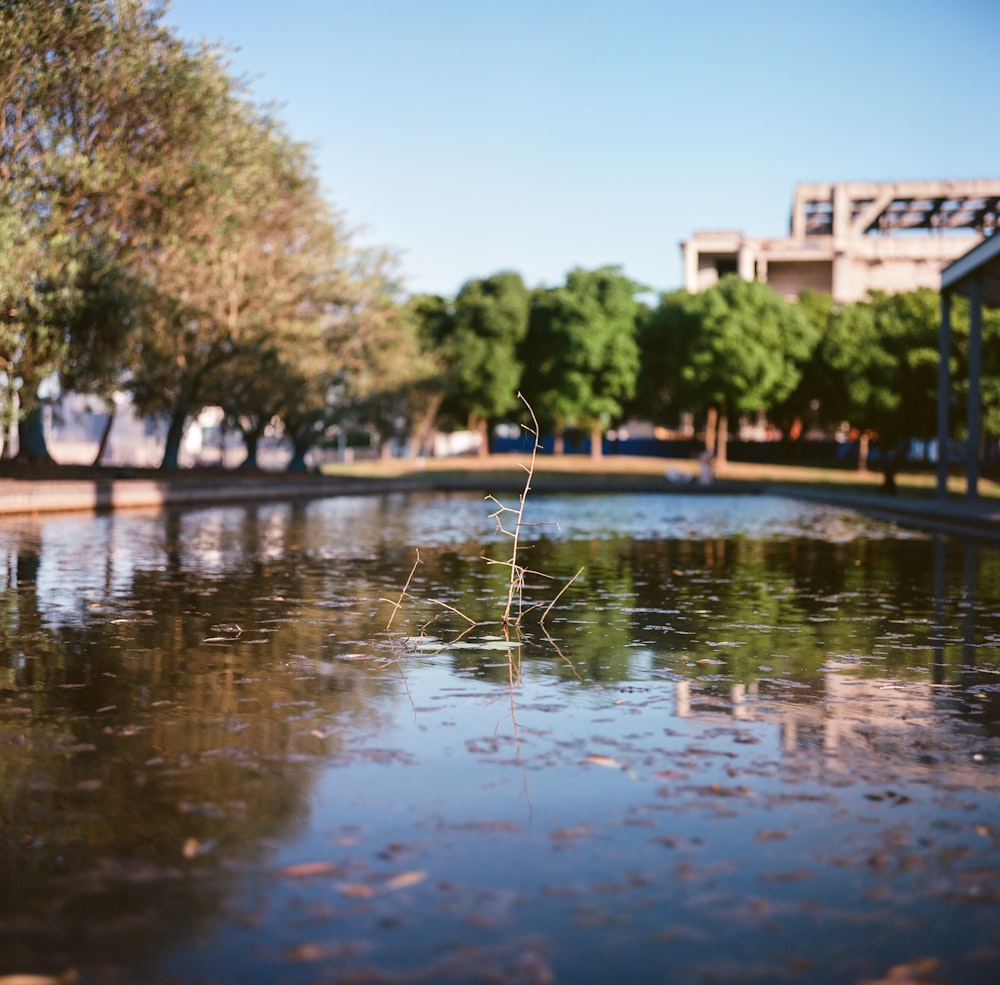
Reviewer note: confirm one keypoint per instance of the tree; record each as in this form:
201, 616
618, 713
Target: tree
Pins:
341, 360
396, 388
803, 407
666, 334
480, 349
746, 354
581, 353
884, 354
87, 119
254, 255
990, 374
430, 321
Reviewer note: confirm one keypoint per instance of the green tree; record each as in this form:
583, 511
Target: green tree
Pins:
666, 334
883, 353
479, 349
581, 352
396, 387
235, 258
88, 132
800, 411
990, 375
746, 354
430, 322
337, 351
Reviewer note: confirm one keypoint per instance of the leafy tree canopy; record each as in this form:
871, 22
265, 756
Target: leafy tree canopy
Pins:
581, 351
480, 346
749, 346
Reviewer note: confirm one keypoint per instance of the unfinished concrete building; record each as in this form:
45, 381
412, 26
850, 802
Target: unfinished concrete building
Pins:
848, 238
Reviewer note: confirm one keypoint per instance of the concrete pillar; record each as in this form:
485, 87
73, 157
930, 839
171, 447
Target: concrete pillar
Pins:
975, 370
745, 261
943, 394
841, 215
690, 267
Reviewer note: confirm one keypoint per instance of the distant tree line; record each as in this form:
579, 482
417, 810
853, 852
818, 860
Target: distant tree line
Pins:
162, 237
591, 353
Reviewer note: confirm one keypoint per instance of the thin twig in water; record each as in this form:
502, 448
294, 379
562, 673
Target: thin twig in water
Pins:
515, 584
451, 608
545, 614
398, 603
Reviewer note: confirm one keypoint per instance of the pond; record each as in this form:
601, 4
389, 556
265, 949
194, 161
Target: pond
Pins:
754, 740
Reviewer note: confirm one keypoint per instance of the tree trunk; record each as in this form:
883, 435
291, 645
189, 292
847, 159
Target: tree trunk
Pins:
175, 432
106, 433
559, 440
863, 441
596, 438
422, 431
722, 438
8, 417
251, 441
31, 445
711, 423
483, 427
298, 460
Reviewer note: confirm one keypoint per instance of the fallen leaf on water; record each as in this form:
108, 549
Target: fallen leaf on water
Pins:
603, 761
406, 879
355, 890
66, 978
192, 847
306, 870
918, 972
308, 952
323, 952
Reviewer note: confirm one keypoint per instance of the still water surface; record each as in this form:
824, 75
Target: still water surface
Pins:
755, 741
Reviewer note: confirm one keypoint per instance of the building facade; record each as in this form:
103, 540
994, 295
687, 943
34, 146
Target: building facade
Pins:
848, 238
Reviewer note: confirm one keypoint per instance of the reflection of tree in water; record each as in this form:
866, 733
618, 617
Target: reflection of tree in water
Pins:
143, 768
750, 611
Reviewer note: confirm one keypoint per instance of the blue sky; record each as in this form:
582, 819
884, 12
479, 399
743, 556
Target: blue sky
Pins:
539, 135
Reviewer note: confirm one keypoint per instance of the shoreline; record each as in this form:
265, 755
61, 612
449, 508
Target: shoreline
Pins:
63, 489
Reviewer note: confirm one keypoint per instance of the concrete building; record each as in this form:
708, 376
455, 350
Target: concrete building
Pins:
848, 238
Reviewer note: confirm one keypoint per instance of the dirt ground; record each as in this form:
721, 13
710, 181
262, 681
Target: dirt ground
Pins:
627, 468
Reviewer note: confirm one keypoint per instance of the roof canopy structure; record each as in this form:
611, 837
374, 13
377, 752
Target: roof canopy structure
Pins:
975, 275
981, 263
877, 207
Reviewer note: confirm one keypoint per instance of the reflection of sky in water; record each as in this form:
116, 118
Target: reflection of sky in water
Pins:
702, 517
438, 520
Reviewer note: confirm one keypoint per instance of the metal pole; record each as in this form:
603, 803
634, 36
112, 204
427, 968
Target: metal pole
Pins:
975, 367
943, 394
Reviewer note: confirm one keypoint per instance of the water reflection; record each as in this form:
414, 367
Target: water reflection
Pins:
216, 764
